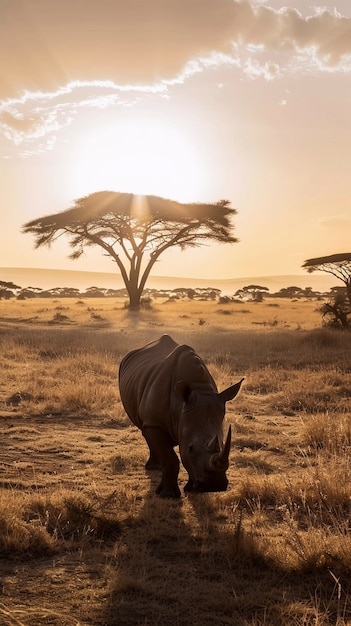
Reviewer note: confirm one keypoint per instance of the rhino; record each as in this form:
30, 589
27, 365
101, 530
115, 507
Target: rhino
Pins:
169, 394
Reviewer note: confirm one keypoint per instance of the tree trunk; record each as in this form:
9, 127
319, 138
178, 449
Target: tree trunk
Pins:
348, 290
134, 293
134, 299
135, 287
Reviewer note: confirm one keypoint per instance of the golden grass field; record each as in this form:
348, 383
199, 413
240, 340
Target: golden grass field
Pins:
83, 538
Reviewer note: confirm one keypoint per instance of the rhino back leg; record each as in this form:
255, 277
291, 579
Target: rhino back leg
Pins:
163, 455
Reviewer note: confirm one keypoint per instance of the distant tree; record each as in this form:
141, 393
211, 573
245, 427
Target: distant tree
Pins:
6, 289
336, 312
207, 293
181, 292
309, 293
227, 299
115, 293
72, 292
69, 292
134, 230
202, 293
290, 292
94, 292
29, 292
253, 292
60, 292
9, 285
339, 265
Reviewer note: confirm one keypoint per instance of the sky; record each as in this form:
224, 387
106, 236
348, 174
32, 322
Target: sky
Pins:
193, 100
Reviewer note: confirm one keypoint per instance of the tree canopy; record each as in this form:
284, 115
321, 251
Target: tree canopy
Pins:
339, 265
337, 312
6, 289
9, 285
134, 230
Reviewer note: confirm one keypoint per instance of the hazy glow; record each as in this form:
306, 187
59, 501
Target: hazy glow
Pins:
140, 207
142, 157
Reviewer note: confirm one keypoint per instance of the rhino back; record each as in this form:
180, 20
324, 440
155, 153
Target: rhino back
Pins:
138, 369
147, 381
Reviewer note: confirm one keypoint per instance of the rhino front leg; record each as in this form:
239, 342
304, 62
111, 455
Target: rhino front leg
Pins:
163, 455
153, 462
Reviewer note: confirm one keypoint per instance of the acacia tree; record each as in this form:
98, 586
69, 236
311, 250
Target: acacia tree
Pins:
337, 312
254, 292
339, 265
6, 289
134, 230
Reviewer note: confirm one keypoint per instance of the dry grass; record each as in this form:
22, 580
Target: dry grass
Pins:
83, 538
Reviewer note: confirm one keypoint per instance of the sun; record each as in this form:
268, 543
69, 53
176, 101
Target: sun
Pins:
143, 156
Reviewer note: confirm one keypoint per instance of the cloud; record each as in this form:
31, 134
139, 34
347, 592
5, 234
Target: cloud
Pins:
32, 121
17, 122
48, 44
66, 55
255, 69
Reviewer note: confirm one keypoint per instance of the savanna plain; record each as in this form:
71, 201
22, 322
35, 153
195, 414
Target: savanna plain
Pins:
83, 538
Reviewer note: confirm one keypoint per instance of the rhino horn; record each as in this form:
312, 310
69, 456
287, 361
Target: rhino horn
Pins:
224, 453
220, 461
214, 445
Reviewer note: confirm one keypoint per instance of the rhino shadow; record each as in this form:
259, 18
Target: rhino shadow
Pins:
142, 582
177, 564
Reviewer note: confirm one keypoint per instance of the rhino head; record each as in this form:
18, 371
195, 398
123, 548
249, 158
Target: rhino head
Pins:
204, 454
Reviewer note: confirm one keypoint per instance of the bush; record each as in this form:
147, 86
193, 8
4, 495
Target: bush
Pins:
337, 312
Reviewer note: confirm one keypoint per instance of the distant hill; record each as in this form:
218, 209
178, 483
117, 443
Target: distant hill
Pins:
49, 279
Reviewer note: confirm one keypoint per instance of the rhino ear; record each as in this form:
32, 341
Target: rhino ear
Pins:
182, 390
231, 392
